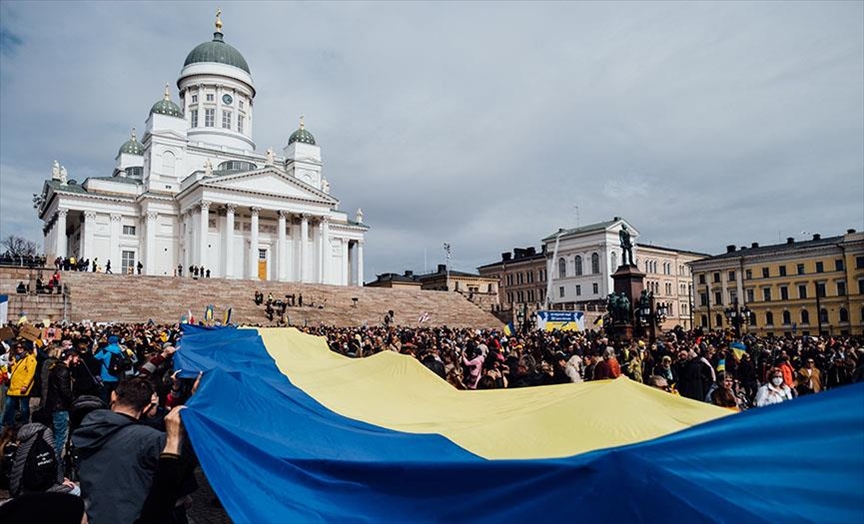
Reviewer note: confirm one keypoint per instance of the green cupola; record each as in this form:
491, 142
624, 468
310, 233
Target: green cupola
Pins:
132, 146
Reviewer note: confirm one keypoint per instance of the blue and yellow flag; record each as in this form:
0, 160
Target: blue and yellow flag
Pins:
509, 330
288, 431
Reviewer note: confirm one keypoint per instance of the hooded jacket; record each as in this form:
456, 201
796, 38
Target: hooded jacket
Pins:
104, 357
23, 373
118, 459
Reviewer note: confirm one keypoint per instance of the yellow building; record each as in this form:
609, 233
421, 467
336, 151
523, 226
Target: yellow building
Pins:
795, 288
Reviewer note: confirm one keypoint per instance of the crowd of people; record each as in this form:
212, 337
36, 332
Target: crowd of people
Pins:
92, 412
708, 367
30, 260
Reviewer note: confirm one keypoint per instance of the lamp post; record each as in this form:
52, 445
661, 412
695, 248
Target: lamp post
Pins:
447, 252
520, 320
651, 314
737, 316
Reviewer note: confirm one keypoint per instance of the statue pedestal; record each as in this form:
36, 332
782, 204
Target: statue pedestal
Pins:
622, 332
629, 281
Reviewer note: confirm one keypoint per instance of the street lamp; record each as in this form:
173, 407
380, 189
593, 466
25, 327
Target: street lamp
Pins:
737, 316
651, 315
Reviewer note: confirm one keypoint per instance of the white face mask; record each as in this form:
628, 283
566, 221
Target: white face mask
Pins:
777, 381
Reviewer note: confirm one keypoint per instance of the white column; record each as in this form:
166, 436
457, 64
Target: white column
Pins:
360, 263
304, 240
203, 228
61, 240
253, 245
88, 248
325, 250
280, 247
187, 242
319, 252
344, 277
150, 244
114, 243
229, 240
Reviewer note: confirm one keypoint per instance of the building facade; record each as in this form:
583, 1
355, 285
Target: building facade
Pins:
667, 275
479, 289
195, 192
521, 277
796, 288
580, 263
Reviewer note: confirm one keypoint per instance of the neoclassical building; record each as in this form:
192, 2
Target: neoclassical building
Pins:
195, 192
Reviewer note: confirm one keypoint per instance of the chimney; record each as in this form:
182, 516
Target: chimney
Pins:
616, 219
409, 273
850, 231
442, 268
817, 236
730, 248
790, 240
532, 251
506, 257
754, 245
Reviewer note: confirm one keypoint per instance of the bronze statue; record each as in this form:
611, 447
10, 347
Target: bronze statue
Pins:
626, 246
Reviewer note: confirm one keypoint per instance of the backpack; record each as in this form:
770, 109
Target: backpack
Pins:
34, 465
8, 457
119, 364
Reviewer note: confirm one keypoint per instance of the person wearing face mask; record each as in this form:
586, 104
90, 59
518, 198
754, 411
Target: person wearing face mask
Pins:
774, 391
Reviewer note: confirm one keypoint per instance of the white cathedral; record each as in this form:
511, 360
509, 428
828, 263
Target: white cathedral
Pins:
194, 192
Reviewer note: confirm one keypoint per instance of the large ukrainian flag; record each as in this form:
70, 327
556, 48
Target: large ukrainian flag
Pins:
288, 431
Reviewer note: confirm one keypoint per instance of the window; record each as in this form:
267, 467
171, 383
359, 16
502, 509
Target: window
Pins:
823, 315
509, 280
562, 269
800, 269
262, 255
129, 230
784, 293
703, 299
769, 319
718, 298
703, 321
614, 260
841, 289
731, 276
595, 263
168, 162
226, 119
844, 315
787, 318
240, 120
859, 262
210, 97
702, 278
194, 99
805, 316
861, 286
782, 271
530, 295
127, 262
530, 276
820, 267
802, 290
510, 297
561, 291
578, 290
595, 288
193, 118
668, 288
716, 277
766, 272
240, 103
750, 297
838, 264
766, 294
820, 289
718, 320
748, 274
209, 117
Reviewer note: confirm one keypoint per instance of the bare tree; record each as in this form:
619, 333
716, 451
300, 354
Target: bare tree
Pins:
19, 246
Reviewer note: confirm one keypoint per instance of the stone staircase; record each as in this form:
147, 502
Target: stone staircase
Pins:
134, 298
35, 307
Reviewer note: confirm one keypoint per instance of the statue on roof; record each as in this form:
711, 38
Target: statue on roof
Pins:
359, 217
208, 168
271, 160
325, 185
64, 176
55, 171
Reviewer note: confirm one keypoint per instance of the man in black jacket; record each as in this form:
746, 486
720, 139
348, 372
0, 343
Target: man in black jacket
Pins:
118, 454
57, 395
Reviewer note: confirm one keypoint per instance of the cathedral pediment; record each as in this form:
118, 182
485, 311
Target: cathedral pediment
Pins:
268, 181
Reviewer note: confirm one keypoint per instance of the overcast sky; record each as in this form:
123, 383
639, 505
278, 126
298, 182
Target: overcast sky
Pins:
480, 124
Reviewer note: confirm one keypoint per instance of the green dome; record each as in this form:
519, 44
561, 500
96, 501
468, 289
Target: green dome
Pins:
217, 51
166, 107
132, 146
302, 136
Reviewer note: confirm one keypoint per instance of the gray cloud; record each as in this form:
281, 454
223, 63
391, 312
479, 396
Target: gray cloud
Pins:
481, 124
